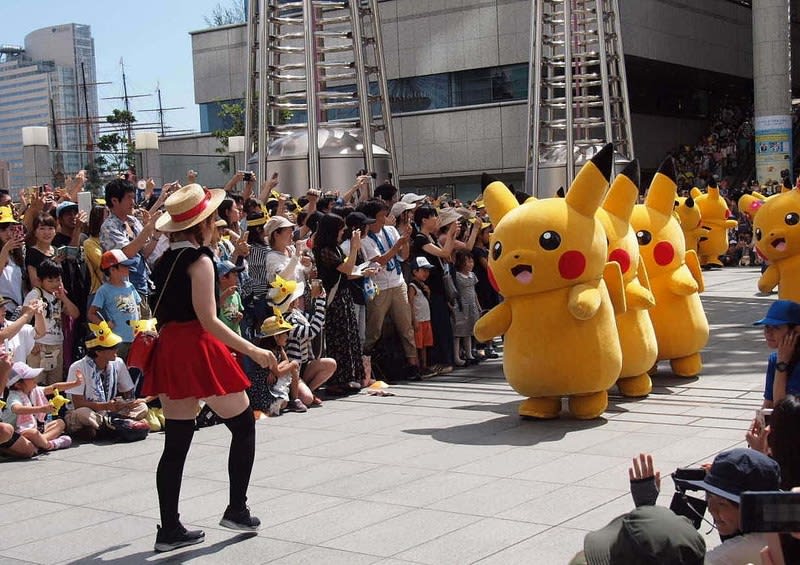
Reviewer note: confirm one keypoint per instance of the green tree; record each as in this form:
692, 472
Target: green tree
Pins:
117, 151
233, 13
232, 113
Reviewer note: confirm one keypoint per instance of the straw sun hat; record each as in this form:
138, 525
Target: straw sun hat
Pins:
189, 206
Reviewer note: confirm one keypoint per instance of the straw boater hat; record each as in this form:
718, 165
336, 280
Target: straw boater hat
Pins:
189, 206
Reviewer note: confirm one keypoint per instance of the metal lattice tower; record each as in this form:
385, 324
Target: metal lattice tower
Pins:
578, 94
321, 59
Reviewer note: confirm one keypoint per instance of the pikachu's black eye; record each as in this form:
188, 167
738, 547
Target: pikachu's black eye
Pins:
497, 249
792, 218
644, 237
550, 240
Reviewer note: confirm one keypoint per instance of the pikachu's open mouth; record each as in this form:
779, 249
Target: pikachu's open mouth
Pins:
523, 273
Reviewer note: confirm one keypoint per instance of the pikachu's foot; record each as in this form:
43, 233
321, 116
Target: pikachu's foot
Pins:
588, 406
545, 408
653, 370
638, 386
689, 366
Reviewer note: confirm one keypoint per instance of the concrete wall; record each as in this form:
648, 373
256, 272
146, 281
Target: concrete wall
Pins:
219, 57
197, 152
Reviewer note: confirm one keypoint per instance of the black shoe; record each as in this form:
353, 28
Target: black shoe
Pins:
413, 373
240, 520
177, 537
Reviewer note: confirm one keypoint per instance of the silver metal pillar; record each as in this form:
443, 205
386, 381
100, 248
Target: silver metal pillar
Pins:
36, 156
772, 75
317, 83
578, 97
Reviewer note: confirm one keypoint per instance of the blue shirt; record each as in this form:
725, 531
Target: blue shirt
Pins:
118, 304
792, 384
116, 234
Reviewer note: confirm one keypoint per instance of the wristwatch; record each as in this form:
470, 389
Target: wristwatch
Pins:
782, 366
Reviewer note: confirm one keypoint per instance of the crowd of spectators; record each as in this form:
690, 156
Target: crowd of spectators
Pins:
347, 289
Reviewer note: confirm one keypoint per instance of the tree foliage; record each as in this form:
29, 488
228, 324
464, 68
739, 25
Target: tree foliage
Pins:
117, 151
233, 13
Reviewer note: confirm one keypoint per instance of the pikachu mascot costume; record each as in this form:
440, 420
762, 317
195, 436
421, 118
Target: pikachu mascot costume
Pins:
688, 213
715, 220
636, 334
675, 276
777, 234
547, 258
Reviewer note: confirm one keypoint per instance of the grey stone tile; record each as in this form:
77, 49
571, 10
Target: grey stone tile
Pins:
510, 462
495, 497
427, 490
472, 542
558, 506
570, 468
54, 524
317, 555
368, 482
331, 523
20, 509
403, 532
554, 545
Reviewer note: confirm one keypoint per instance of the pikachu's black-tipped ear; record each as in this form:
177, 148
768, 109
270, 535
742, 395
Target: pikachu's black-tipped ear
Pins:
633, 172
667, 168
487, 179
712, 183
560, 192
604, 160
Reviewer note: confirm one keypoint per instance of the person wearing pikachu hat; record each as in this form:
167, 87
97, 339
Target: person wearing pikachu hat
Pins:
636, 334
675, 277
547, 258
107, 384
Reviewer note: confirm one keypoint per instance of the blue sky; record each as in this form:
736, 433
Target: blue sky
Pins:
152, 36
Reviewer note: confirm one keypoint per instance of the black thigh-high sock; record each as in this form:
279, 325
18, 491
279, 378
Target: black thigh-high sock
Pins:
241, 456
177, 439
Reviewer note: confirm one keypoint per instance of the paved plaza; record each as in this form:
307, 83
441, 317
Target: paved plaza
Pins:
442, 472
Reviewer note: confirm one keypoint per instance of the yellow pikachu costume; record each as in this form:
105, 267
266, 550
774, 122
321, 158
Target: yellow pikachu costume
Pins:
777, 234
715, 219
688, 214
636, 334
675, 276
750, 204
547, 259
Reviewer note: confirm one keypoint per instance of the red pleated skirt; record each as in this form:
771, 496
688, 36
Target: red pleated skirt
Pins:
190, 362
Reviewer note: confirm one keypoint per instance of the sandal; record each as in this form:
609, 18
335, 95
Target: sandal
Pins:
315, 402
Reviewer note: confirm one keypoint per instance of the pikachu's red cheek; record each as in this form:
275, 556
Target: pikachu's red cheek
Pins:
571, 265
664, 253
622, 257
492, 280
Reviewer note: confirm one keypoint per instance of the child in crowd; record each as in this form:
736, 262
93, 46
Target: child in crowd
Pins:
27, 408
783, 369
418, 293
314, 371
117, 301
231, 309
47, 353
286, 383
467, 311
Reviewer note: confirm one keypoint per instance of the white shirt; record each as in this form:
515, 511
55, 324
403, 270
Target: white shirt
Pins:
53, 334
22, 343
738, 551
11, 283
118, 379
386, 277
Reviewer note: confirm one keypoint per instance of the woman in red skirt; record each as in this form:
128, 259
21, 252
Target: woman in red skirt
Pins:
192, 361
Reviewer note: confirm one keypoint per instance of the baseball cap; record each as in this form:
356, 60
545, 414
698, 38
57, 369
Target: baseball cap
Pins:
64, 206
412, 198
276, 223
781, 312
648, 534
115, 257
356, 219
421, 263
738, 470
20, 370
400, 207
4, 300
225, 267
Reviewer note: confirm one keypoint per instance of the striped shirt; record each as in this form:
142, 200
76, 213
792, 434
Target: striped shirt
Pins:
258, 270
298, 346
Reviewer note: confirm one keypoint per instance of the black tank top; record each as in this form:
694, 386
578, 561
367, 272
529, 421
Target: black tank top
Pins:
176, 305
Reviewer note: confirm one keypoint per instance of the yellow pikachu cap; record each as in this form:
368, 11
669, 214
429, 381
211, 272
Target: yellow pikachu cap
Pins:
102, 336
284, 292
7, 216
140, 326
275, 325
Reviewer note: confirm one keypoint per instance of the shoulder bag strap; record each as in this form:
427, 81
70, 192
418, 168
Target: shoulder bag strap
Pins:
166, 281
